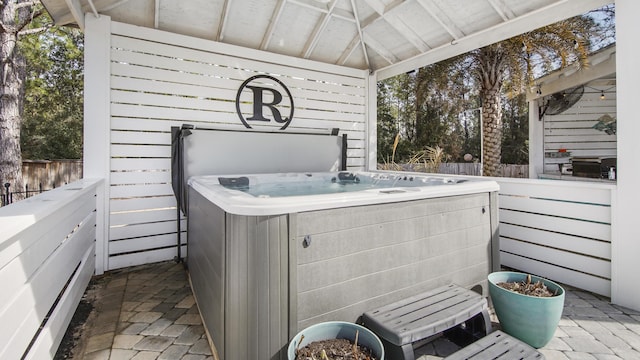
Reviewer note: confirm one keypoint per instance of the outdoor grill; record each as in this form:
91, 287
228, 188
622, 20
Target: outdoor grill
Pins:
592, 167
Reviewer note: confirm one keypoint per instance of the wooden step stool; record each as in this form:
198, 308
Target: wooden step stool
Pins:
497, 345
426, 315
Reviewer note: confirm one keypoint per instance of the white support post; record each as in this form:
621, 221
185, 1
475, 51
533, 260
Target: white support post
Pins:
536, 141
372, 123
625, 237
97, 60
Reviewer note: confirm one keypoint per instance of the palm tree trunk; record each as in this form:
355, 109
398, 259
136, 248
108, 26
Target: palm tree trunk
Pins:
492, 132
490, 60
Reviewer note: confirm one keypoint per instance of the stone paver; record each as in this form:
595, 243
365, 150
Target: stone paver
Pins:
148, 312
591, 328
144, 313
126, 341
174, 330
134, 329
156, 327
174, 352
190, 335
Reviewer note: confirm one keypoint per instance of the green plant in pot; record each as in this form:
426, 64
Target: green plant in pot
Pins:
532, 319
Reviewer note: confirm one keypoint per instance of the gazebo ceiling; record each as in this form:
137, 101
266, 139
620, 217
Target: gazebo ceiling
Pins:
364, 34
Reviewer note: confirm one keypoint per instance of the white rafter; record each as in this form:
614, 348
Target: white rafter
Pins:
76, 12
313, 5
114, 5
407, 45
343, 15
156, 14
99, 6
502, 9
348, 51
377, 5
406, 31
387, 13
93, 8
360, 37
223, 20
376, 46
275, 17
441, 18
317, 31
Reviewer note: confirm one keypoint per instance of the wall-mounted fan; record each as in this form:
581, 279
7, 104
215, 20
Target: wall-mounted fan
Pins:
561, 101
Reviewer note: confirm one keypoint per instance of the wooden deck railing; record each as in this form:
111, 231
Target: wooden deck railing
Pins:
47, 257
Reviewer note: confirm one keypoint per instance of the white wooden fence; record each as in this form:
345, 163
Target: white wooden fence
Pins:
47, 257
147, 81
558, 229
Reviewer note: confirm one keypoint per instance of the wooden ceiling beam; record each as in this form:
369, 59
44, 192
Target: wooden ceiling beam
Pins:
313, 5
343, 15
275, 17
376, 46
99, 5
406, 31
360, 37
348, 51
75, 9
502, 9
222, 24
387, 13
156, 14
317, 31
441, 18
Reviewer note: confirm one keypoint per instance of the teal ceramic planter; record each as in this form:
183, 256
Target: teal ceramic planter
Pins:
336, 330
531, 319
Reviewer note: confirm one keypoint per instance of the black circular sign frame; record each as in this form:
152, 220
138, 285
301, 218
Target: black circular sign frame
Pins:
249, 80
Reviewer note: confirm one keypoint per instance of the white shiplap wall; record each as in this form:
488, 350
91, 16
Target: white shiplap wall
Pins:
572, 130
159, 80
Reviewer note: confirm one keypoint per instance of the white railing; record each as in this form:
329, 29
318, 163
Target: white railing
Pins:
47, 257
558, 229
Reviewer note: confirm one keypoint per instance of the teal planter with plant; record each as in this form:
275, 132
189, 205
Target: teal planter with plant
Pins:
532, 319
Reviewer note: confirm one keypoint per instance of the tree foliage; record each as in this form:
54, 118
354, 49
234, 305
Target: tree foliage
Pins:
52, 124
447, 95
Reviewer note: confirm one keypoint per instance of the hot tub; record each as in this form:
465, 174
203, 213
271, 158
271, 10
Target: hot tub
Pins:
271, 254
271, 194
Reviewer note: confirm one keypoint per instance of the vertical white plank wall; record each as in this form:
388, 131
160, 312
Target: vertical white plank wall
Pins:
158, 80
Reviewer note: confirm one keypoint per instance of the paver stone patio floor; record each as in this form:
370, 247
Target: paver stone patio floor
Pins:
148, 312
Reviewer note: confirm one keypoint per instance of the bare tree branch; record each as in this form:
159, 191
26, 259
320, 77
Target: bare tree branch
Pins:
34, 31
28, 19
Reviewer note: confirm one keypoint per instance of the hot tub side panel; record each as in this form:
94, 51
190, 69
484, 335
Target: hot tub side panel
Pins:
364, 257
238, 266
206, 263
257, 291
